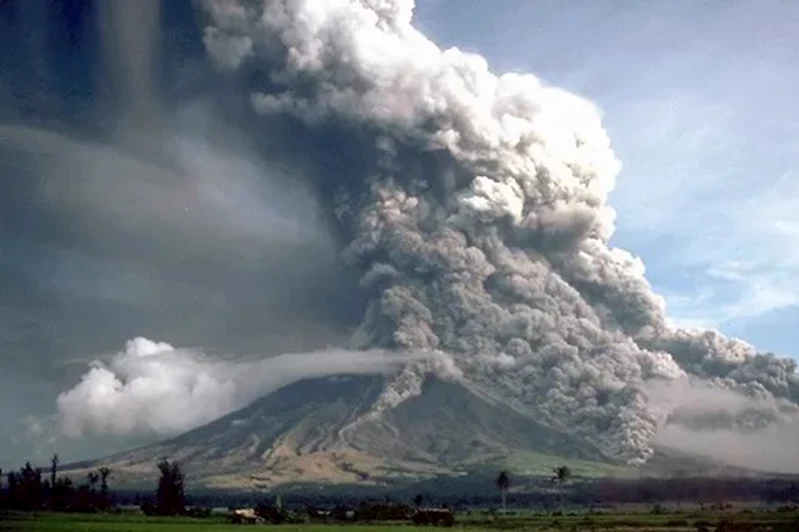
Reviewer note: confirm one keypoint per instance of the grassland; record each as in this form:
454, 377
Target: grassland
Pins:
47, 522
738, 520
541, 465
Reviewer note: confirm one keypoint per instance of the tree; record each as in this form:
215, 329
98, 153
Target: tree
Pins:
104, 472
26, 491
503, 484
13, 490
92, 478
170, 495
61, 494
25, 488
51, 487
418, 499
562, 474
53, 470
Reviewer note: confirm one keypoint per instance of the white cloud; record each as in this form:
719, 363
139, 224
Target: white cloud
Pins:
749, 252
154, 388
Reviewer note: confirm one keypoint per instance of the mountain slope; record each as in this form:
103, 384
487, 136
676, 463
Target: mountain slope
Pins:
306, 432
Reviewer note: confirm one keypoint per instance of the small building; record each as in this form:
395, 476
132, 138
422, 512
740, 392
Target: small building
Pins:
245, 516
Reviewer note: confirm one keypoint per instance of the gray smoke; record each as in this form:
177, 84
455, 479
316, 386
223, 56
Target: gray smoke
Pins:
479, 217
771, 448
708, 417
130, 35
173, 227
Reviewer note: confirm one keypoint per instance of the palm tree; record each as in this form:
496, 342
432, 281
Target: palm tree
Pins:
53, 470
93, 478
104, 472
170, 495
503, 484
562, 474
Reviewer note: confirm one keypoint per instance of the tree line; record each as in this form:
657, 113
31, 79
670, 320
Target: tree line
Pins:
32, 489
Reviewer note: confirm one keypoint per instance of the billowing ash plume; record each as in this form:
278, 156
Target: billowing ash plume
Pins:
477, 210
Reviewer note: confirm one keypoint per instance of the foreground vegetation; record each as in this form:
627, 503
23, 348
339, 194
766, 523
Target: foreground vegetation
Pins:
34, 500
29, 490
733, 520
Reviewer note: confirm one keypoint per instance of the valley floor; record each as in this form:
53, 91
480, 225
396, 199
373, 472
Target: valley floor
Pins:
736, 521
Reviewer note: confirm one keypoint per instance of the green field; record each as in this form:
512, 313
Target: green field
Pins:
476, 521
541, 465
134, 523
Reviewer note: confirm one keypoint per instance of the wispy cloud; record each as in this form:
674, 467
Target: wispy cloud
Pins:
740, 246
709, 190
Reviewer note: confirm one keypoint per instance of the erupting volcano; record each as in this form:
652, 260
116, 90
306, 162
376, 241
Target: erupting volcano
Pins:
473, 207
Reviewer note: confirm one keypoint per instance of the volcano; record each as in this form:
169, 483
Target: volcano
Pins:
319, 431
474, 209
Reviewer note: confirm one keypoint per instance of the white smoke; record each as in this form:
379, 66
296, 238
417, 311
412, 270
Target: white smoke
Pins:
155, 388
481, 220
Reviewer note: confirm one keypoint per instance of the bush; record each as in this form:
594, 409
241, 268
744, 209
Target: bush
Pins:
149, 508
199, 512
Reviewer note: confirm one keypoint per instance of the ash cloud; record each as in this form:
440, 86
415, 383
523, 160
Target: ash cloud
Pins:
476, 206
141, 207
130, 33
131, 201
731, 425
768, 449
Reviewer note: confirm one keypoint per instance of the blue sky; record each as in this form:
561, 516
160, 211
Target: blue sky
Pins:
698, 98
